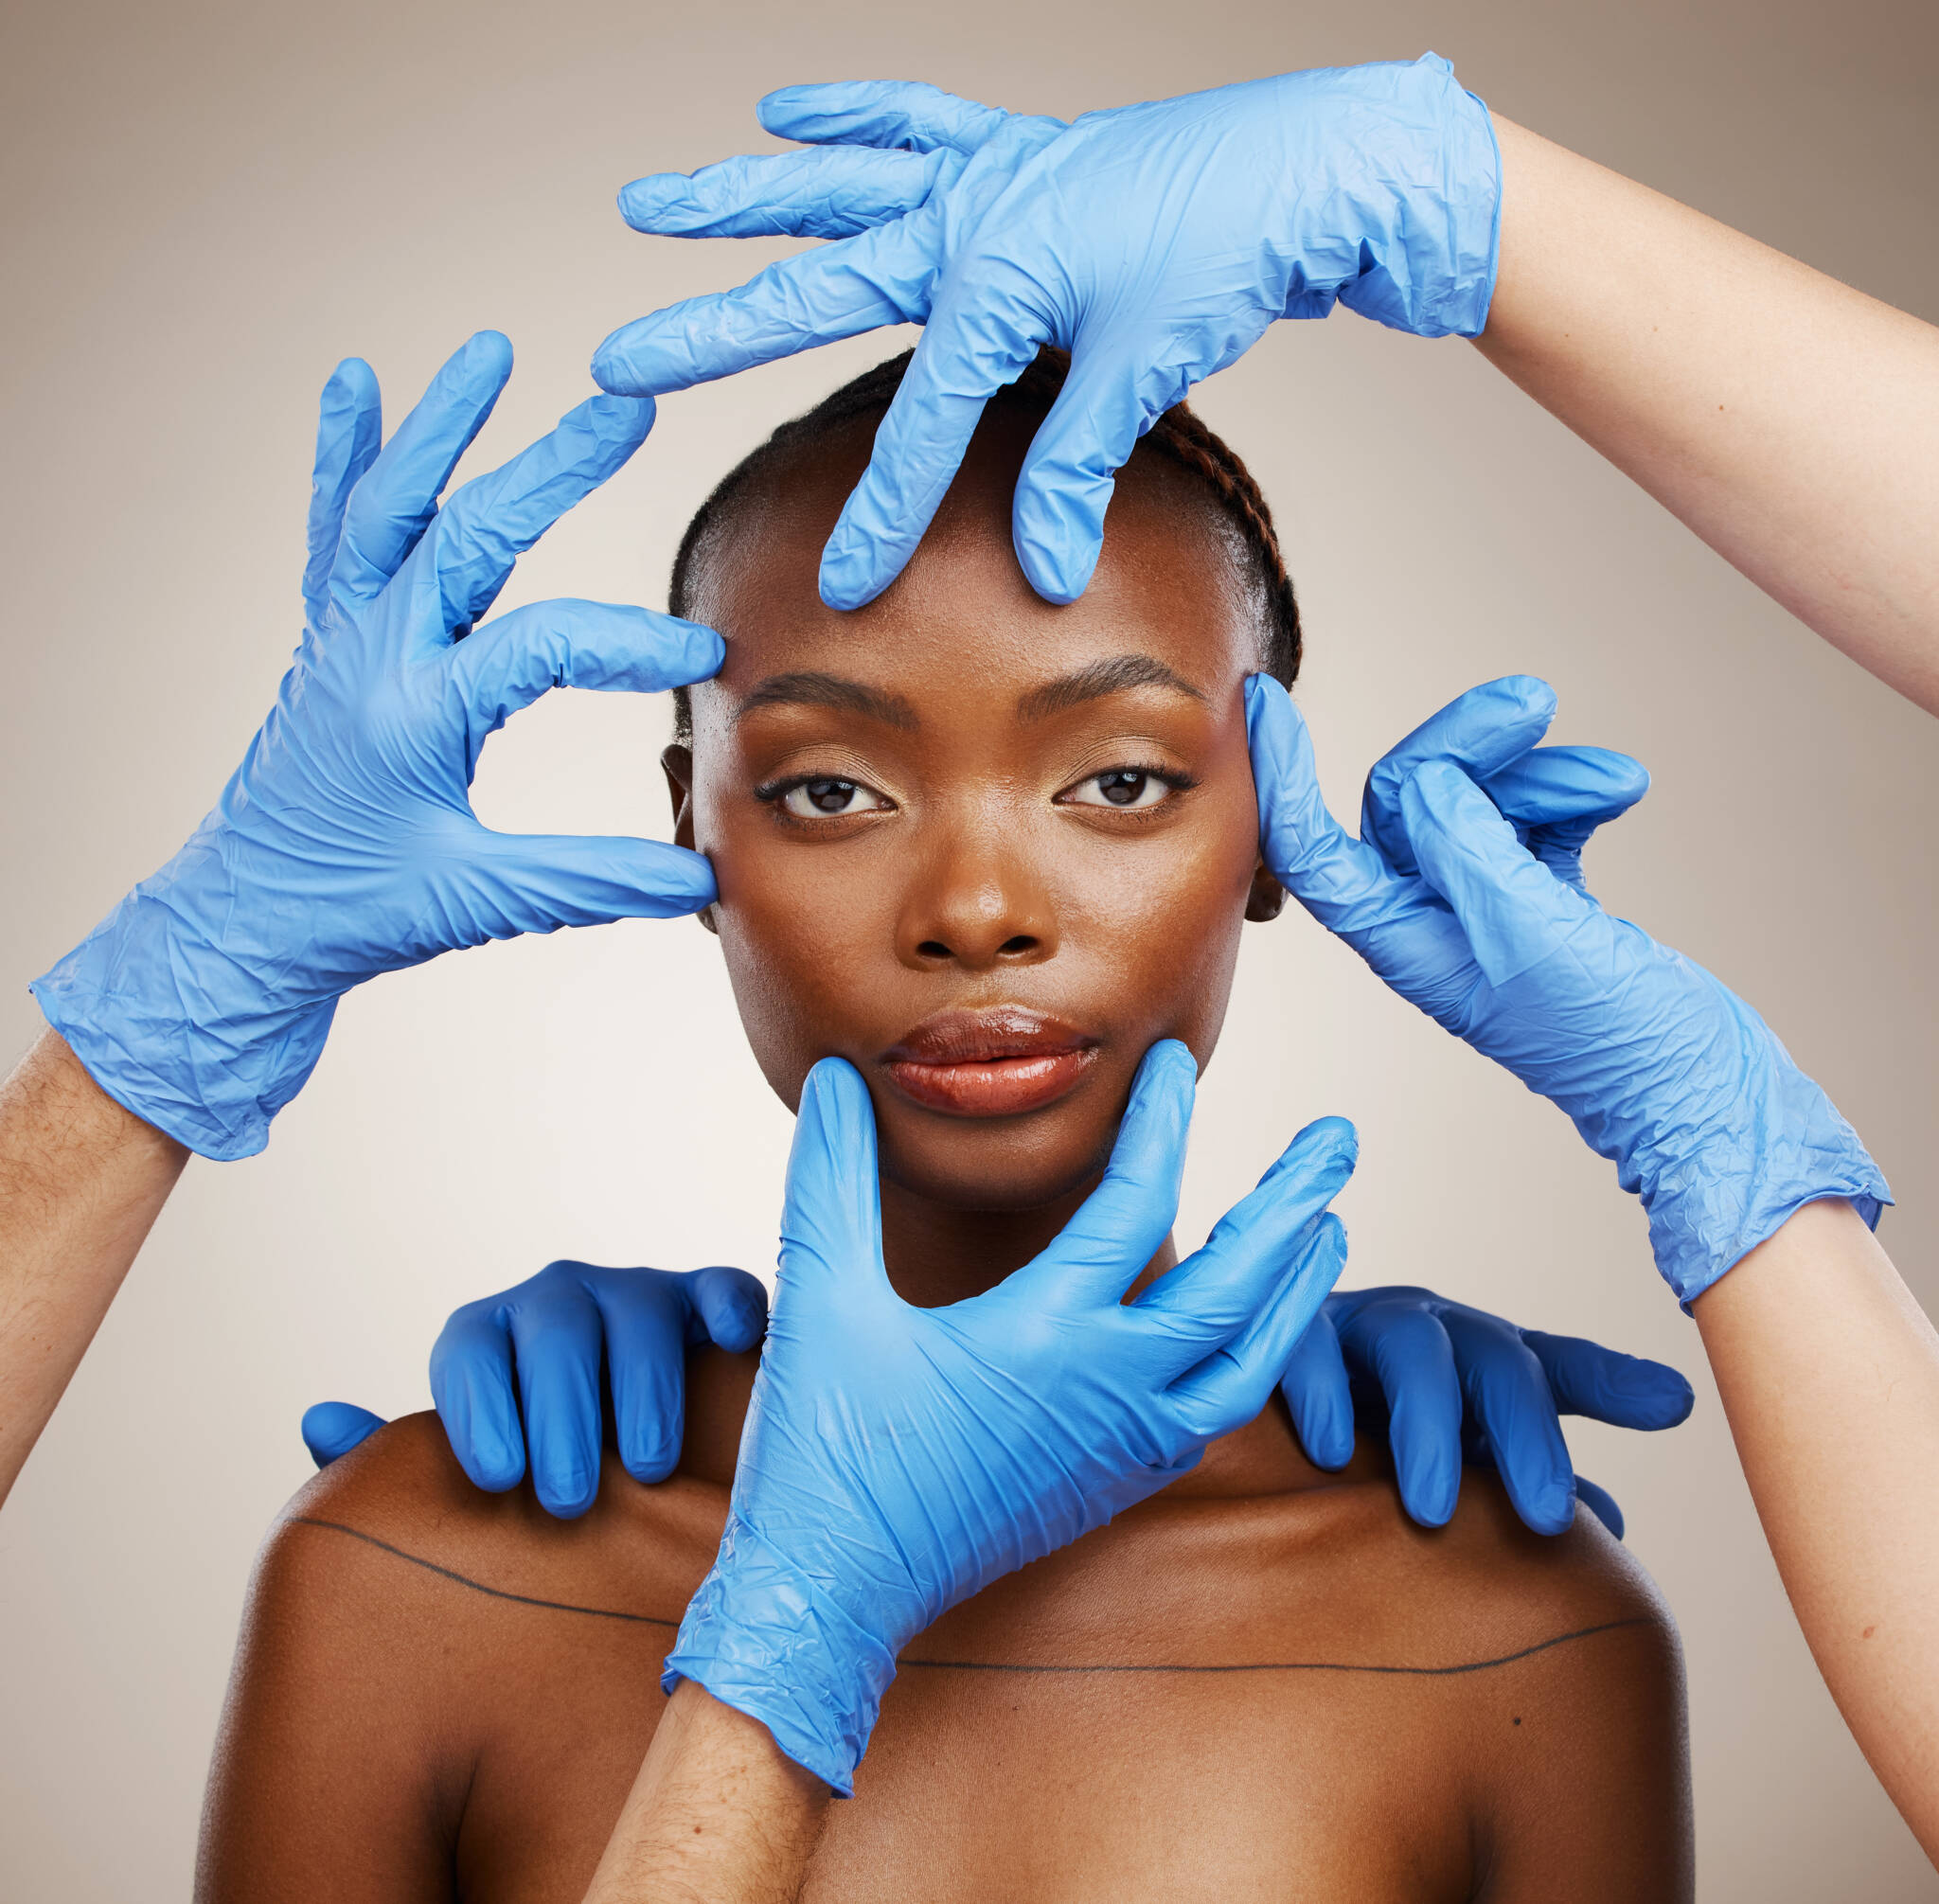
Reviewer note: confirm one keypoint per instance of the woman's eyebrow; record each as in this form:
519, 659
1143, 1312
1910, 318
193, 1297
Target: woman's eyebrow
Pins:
828, 691
1099, 679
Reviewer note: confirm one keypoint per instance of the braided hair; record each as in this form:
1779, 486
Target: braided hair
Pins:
1178, 435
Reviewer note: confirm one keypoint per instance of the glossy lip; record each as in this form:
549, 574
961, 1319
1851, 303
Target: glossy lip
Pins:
997, 1062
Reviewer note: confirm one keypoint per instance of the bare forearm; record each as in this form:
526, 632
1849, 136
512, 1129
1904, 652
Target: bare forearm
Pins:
1788, 420
1830, 1373
718, 1814
82, 1181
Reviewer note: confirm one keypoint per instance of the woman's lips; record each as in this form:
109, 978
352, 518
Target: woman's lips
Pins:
994, 1063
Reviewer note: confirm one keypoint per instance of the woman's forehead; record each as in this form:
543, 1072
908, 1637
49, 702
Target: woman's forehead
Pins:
1170, 587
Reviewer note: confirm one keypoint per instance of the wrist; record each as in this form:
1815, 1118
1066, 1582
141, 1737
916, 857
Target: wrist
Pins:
1716, 1184
177, 1028
1434, 236
765, 1636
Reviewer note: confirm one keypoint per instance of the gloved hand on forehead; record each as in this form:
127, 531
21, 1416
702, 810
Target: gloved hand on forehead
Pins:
1441, 1382
345, 844
1465, 892
1155, 242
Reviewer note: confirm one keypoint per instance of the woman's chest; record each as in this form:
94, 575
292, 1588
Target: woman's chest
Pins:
998, 1781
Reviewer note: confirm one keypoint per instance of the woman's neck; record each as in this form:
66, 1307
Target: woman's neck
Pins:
937, 1255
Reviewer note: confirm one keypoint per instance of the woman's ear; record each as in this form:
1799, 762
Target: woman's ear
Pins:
677, 764
1266, 898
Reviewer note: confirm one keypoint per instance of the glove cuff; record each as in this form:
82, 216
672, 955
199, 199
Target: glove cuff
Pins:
1433, 275
149, 1012
763, 1637
1716, 1192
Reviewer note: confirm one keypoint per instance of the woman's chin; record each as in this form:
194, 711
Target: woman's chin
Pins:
1002, 1165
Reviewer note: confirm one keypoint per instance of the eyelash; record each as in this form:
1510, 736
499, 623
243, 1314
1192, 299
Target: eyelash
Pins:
775, 792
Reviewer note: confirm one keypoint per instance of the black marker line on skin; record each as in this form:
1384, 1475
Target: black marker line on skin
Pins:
1001, 1665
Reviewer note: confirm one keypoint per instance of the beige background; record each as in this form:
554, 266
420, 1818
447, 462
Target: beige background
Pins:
205, 204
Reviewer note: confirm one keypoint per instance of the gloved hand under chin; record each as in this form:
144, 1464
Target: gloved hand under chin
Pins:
1155, 242
345, 844
895, 1460
1464, 894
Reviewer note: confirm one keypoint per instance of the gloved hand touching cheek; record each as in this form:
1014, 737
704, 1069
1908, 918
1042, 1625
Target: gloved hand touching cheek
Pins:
1154, 242
345, 844
1464, 894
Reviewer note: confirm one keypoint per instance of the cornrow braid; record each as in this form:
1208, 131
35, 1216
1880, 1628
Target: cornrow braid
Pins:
1179, 436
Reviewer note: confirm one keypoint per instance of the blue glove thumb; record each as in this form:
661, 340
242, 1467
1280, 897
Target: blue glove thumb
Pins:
331, 1429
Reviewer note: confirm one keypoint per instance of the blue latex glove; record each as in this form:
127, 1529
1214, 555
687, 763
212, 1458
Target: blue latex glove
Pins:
540, 1348
1446, 1384
1155, 243
1441, 1381
1481, 918
344, 845
895, 1460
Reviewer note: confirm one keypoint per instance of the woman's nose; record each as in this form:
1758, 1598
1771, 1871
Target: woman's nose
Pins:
978, 906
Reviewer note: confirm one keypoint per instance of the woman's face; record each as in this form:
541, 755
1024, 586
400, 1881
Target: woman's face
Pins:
986, 849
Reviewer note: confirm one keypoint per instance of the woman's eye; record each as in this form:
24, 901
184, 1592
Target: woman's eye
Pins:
820, 799
1127, 788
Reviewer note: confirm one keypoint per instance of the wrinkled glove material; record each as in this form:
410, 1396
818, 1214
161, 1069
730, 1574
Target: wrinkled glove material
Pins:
344, 845
1464, 894
1156, 242
895, 1460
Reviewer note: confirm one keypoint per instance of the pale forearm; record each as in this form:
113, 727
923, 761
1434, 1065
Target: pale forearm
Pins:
1788, 420
718, 1814
82, 1181
1830, 1373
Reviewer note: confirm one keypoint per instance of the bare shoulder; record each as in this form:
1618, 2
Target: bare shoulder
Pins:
398, 1515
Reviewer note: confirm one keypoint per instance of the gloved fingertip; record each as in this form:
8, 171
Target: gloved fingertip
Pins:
848, 582
331, 1429
486, 355
566, 1492
1430, 1492
1058, 571
1530, 693
652, 1465
1552, 1508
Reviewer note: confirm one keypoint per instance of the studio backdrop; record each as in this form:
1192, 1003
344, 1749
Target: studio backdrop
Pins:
208, 204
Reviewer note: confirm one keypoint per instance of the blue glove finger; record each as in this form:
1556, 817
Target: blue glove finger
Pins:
1230, 1387
1515, 912
1481, 731
645, 1316
1602, 1504
1120, 1226
1319, 1396
831, 1222
511, 661
1558, 796
854, 285
558, 1340
1068, 476
1342, 883
729, 1306
1209, 1298
1509, 1394
894, 115
828, 194
494, 519
1626, 1391
331, 1429
392, 507
501, 884
963, 358
349, 433
1413, 1360
471, 1390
